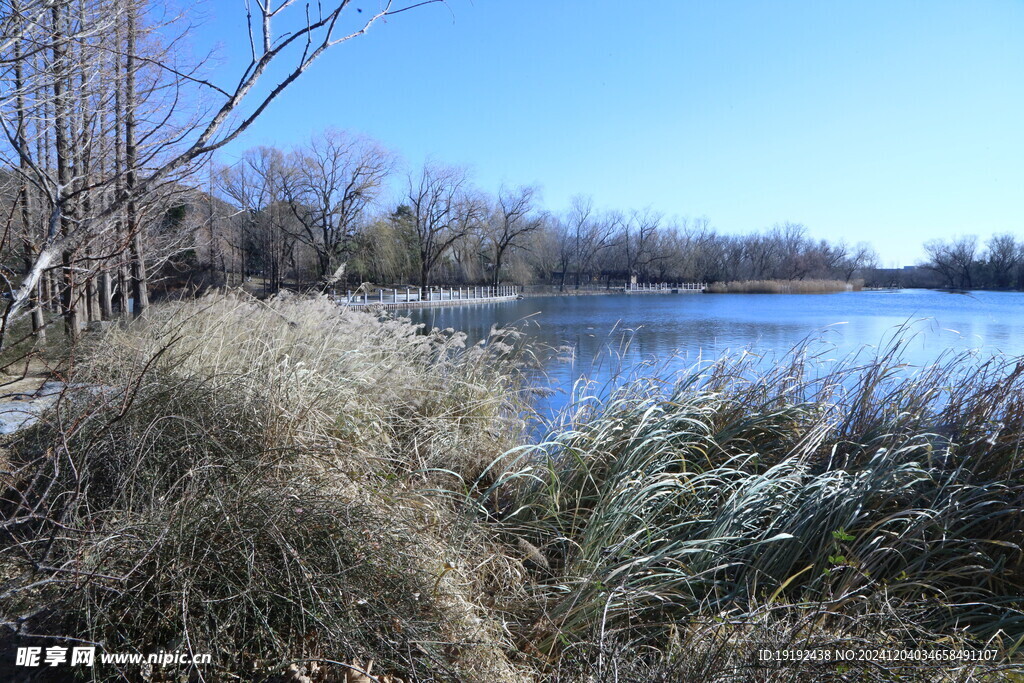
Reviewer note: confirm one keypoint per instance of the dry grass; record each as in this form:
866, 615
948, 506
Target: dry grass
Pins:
849, 494
302, 490
784, 287
247, 478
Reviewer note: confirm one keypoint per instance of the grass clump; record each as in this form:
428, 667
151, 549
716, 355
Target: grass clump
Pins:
784, 287
836, 506
246, 479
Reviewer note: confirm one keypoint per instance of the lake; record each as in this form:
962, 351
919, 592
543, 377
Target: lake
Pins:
674, 331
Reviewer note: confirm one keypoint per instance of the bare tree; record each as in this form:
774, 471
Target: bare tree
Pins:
443, 209
512, 222
793, 248
1004, 259
330, 184
762, 254
963, 252
642, 242
563, 239
954, 260
861, 258
591, 234
29, 238
256, 185
471, 255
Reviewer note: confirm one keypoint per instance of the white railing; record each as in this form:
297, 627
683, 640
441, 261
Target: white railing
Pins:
392, 296
666, 287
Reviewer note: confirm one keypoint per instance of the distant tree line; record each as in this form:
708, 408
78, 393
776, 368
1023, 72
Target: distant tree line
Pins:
966, 263
318, 215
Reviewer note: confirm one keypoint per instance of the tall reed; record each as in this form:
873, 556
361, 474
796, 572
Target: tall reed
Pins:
247, 479
784, 287
841, 492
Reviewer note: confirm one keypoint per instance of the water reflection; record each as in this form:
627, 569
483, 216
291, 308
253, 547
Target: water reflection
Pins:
618, 332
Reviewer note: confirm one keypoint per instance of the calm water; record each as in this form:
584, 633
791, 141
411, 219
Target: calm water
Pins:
675, 331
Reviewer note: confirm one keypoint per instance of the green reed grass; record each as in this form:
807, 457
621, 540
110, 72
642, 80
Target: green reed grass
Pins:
837, 491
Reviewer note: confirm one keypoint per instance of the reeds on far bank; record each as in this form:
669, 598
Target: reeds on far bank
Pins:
784, 287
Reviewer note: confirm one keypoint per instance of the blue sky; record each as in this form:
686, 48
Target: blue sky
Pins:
891, 122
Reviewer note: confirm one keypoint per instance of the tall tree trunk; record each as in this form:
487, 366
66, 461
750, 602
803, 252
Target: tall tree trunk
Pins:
106, 295
124, 286
82, 150
105, 289
123, 277
62, 150
48, 289
499, 254
92, 299
44, 156
140, 286
211, 223
29, 250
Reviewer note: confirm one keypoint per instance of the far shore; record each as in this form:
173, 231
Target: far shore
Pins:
737, 287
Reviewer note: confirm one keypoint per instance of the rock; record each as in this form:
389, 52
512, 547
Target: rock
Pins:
19, 411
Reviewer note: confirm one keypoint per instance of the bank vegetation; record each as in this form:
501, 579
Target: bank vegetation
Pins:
784, 287
302, 490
